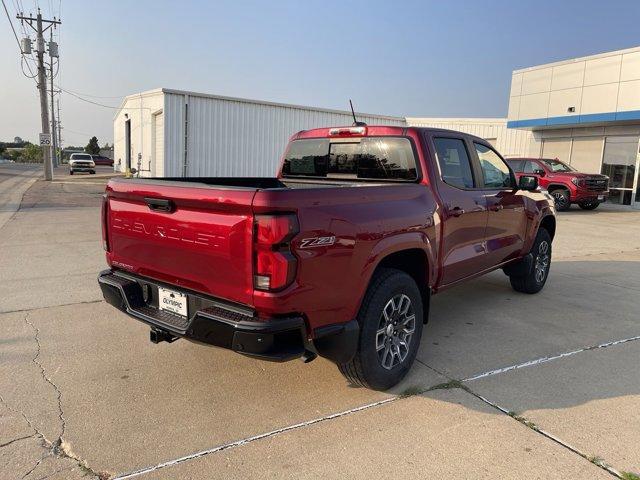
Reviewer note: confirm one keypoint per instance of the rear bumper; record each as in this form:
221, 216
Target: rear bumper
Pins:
210, 321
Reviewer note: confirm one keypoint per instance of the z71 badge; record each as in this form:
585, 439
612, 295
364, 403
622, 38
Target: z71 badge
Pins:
317, 242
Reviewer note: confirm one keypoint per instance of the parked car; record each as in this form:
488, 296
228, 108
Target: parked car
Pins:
100, 160
338, 256
81, 162
563, 182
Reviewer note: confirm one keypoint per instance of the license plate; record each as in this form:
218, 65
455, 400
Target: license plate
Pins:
600, 197
172, 301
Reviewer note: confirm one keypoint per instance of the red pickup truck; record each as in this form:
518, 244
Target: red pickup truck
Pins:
338, 256
565, 184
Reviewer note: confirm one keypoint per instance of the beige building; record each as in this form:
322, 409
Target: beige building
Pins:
586, 112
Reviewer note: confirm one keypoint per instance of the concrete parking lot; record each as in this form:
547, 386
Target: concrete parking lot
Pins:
506, 385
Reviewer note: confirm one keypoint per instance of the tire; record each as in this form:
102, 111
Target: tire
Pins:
93, 172
388, 292
589, 205
70, 172
534, 281
562, 199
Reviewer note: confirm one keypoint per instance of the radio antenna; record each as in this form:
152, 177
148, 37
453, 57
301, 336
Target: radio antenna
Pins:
356, 123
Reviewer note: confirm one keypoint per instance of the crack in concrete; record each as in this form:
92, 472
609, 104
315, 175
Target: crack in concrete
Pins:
541, 360
21, 413
453, 383
52, 306
36, 361
245, 441
16, 440
36, 465
60, 448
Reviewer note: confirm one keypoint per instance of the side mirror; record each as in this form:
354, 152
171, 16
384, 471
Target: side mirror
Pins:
528, 182
539, 171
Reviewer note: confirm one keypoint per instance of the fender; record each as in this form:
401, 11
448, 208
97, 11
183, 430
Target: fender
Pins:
535, 225
558, 184
390, 245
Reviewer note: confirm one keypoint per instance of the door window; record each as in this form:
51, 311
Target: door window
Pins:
495, 171
532, 167
455, 167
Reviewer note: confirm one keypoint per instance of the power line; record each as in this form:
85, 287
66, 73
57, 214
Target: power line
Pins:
86, 100
17, 40
91, 96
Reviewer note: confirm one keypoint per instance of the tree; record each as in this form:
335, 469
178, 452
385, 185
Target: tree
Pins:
32, 153
92, 147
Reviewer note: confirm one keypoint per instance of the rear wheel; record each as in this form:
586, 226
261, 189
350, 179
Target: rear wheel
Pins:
562, 200
589, 205
70, 172
390, 320
534, 280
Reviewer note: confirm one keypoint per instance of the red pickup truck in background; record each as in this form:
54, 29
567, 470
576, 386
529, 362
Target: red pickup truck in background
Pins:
565, 184
338, 256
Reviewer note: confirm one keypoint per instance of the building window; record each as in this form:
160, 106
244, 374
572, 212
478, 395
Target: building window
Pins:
619, 163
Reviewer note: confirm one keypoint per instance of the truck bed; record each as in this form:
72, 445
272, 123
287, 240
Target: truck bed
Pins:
197, 233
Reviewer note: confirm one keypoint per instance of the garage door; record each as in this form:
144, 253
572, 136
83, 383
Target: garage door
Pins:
158, 148
559, 148
586, 154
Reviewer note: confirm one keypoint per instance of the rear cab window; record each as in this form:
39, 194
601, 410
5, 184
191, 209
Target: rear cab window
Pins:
80, 156
366, 158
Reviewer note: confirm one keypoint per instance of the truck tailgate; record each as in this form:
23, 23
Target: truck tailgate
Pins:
193, 236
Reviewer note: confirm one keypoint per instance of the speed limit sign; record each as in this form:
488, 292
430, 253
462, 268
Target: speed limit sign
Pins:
45, 139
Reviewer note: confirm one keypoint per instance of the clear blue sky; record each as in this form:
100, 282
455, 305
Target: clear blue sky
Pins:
413, 58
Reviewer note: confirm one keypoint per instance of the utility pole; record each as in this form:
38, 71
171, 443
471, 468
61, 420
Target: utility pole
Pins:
54, 142
59, 129
42, 82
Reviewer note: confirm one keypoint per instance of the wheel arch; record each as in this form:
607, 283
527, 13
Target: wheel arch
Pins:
415, 263
548, 222
558, 186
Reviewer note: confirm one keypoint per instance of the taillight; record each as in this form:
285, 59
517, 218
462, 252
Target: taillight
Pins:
275, 265
105, 219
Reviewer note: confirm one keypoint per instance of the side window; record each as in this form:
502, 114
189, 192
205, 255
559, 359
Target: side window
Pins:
453, 160
495, 172
529, 167
516, 165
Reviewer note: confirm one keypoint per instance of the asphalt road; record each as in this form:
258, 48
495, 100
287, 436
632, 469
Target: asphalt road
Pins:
506, 385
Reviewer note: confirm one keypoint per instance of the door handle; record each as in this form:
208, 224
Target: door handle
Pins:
456, 212
496, 208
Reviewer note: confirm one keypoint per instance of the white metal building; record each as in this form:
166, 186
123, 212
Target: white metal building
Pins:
586, 112
173, 133
509, 142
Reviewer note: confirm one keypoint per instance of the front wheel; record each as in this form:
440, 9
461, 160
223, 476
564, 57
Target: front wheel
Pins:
589, 205
390, 320
561, 199
534, 280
